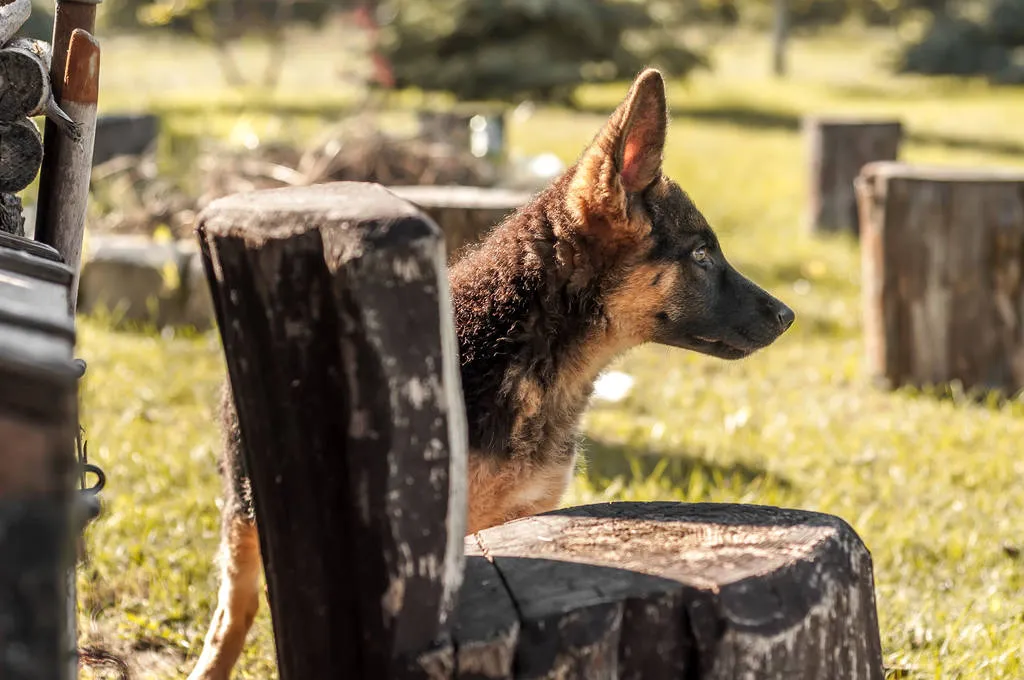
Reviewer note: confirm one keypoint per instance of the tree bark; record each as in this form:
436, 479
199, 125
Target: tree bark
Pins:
669, 590
942, 262
13, 13
24, 73
334, 310
12, 221
465, 214
21, 149
838, 148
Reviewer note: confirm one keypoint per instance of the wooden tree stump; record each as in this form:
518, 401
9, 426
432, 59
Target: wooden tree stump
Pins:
669, 590
465, 214
943, 275
333, 306
38, 422
838, 148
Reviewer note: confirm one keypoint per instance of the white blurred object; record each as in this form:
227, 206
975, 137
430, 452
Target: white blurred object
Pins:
532, 173
546, 165
735, 421
613, 386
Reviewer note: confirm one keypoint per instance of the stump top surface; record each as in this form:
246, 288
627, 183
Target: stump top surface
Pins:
293, 210
702, 545
455, 196
841, 120
940, 173
679, 590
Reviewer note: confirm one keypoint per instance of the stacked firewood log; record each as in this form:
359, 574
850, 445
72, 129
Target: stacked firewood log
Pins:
25, 92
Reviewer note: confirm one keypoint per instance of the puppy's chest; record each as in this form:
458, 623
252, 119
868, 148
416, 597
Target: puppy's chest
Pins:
546, 421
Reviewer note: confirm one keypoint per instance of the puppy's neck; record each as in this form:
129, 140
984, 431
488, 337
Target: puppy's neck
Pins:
533, 333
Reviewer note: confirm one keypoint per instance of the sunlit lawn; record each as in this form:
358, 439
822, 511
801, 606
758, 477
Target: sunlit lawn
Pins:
933, 486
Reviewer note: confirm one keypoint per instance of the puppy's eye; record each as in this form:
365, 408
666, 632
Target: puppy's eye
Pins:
700, 255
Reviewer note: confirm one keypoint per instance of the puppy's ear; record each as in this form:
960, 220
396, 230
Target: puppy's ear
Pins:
625, 156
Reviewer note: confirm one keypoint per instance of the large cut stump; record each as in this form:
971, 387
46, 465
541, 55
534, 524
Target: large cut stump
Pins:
334, 311
465, 214
669, 590
838, 148
38, 422
943, 275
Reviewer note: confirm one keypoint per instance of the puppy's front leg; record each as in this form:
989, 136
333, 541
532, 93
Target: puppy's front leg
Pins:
237, 601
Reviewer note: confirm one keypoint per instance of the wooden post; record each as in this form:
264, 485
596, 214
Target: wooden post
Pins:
334, 311
943, 275
69, 15
465, 214
38, 422
837, 150
780, 38
62, 224
669, 590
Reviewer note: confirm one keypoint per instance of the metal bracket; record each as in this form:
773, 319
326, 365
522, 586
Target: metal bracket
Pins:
87, 504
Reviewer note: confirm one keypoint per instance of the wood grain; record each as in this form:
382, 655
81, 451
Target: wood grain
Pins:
943, 275
65, 194
660, 590
21, 149
13, 13
12, 220
26, 81
69, 16
333, 307
837, 149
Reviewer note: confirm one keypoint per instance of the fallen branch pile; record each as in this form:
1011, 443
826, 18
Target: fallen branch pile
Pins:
132, 197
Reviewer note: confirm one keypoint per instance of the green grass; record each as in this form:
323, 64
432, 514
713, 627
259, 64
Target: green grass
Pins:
932, 485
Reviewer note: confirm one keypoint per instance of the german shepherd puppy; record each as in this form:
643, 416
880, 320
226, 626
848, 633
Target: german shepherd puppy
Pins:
612, 255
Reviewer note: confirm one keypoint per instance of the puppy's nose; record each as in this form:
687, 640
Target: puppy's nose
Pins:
786, 317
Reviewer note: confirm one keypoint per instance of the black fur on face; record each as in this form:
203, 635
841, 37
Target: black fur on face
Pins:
711, 308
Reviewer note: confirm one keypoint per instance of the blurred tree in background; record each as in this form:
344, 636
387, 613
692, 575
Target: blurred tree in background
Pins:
520, 49
221, 22
971, 38
509, 50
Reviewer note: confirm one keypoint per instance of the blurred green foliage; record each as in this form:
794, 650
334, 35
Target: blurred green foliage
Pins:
971, 39
200, 16
507, 50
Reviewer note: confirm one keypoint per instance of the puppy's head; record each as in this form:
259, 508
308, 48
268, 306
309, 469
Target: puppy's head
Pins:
665, 277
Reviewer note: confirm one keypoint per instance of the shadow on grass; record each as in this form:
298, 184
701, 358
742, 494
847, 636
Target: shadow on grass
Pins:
768, 119
604, 462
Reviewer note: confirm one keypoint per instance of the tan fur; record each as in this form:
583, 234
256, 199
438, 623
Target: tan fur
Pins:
237, 602
632, 306
517, 488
